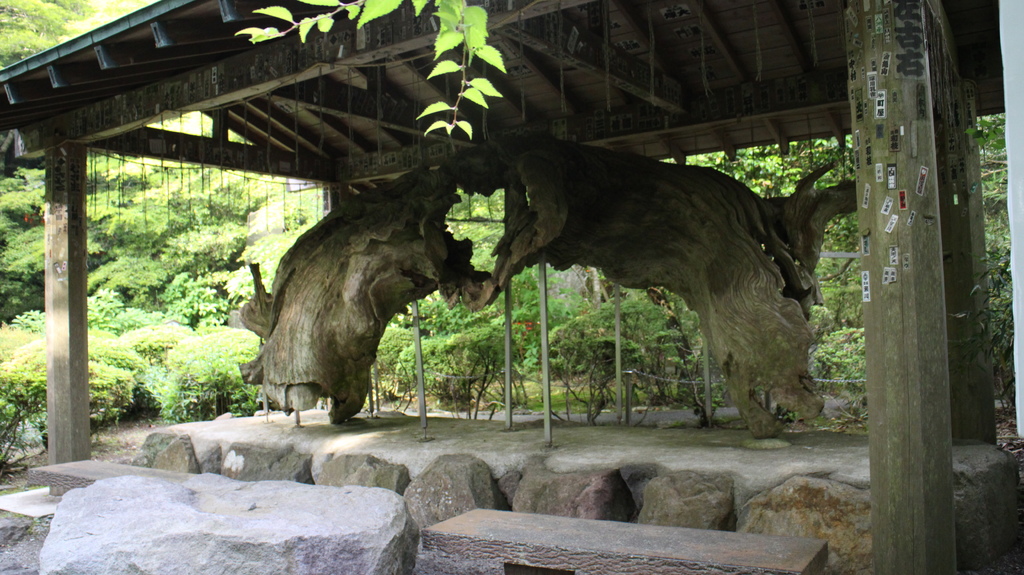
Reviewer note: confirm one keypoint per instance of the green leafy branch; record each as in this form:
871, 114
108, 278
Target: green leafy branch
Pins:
460, 26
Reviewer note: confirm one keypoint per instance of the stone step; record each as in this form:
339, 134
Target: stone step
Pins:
64, 477
494, 542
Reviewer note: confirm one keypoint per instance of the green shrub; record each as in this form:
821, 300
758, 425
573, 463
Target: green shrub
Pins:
33, 321
112, 369
204, 377
11, 338
154, 342
840, 356
397, 377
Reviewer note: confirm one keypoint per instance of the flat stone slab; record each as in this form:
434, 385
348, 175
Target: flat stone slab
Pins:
31, 503
64, 477
483, 542
577, 448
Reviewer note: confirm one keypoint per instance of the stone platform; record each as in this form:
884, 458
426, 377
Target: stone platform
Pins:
809, 485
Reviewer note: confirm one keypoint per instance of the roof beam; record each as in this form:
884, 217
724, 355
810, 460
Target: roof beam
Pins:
789, 33
775, 129
572, 105
625, 122
640, 26
125, 54
722, 43
186, 148
259, 69
625, 70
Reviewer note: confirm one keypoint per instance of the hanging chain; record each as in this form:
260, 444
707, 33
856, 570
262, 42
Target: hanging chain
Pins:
561, 57
757, 42
522, 63
650, 45
606, 19
703, 60
814, 41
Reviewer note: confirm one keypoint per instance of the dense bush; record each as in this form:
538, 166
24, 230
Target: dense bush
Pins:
840, 356
11, 338
397, 377
154, 342
203, 380
112, 369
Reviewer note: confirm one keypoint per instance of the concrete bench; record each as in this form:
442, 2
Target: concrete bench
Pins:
486, 542
64, 477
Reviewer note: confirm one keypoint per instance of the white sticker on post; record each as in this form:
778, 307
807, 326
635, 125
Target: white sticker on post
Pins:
879, 172
888, 275
889, 227
865, 245
894, 255
867, 196
911, 218
865, 285
887, 205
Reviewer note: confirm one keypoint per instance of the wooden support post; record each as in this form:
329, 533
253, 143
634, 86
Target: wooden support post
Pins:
618, 354
972, 394
421, 394
67, 340
508, 357
892, 88
545, 364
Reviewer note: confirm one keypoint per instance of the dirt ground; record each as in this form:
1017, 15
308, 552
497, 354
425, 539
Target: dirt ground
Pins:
120, 444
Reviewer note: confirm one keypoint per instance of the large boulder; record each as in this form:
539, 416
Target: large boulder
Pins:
687, 499
169, 451
247, 462
210, 524
365, 470
586, 494
985, 493
452, 485
821, 509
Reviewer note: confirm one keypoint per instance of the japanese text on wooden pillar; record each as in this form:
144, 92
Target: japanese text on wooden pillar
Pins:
67, 356
902, 286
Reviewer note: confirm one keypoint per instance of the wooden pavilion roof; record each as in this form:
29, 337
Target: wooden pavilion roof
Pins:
682, 77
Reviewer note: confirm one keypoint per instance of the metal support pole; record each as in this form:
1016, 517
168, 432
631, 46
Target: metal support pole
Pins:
508, 357
709, 407
298, 419
369, 394
420, 393
376, 386
542, 272
618, 354
266, 402
629, 398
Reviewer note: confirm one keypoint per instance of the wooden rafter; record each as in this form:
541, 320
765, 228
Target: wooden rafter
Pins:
640, 26
723, 45
786, 25
775, 129
626, 71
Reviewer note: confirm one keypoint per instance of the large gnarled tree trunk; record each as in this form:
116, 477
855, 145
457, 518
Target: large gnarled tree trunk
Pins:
744, 264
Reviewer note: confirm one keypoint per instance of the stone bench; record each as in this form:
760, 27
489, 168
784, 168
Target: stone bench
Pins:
487, 542
64, 477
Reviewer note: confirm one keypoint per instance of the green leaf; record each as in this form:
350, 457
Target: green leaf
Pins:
446, 41
353, 12
444, 67
324, 25
474, 95
258, 34
321, 2
475, 16
434, 108
304, 27
438, 124
276, 12
485, 86
466, 127
373, 9
476, 37
492, 56
419, 5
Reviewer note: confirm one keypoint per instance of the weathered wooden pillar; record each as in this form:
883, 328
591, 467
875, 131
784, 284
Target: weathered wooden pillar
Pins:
891, 99
972, 395
67, 341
